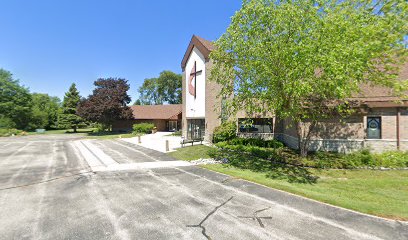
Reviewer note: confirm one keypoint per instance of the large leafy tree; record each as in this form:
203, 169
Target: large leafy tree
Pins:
15, 102
303, 59
107, 103
164, 89
68, 117
169, 87
148, 92
44, 111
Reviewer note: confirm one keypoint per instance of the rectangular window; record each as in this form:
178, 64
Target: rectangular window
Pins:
374, 127
255, 125
173, 126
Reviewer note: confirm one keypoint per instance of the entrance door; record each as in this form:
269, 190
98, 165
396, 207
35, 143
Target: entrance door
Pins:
173, 126
196, 128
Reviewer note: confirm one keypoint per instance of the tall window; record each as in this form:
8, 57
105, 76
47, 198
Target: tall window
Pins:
373, 127
255, 125
195, 128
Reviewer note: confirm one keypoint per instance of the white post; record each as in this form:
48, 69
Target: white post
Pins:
167, 146
139, 139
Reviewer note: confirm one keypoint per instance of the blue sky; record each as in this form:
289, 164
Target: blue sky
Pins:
49, 44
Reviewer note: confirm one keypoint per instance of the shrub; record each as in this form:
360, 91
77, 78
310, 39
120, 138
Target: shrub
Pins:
396, 159
360, 158
12, 131
99, 128
143, 128
235, 151
226, 131
256, 142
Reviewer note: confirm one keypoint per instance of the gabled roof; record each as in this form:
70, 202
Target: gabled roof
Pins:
203, 45
163, 112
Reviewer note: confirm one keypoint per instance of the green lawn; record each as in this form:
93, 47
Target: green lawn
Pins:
191, 153
380, 193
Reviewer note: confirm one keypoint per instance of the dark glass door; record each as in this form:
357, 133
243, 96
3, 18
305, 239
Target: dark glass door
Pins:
196, 128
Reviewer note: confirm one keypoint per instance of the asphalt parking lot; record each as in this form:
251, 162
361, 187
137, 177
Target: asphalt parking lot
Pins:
65, 187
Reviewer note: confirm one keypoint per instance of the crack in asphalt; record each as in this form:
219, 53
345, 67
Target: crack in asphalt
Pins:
228, 180
200, 225
81, 174
255, 216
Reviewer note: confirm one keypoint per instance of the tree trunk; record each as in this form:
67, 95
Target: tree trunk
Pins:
304, 134
75, 128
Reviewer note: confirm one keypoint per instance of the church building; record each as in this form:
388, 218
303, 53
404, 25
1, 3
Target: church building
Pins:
200, 103
381, 122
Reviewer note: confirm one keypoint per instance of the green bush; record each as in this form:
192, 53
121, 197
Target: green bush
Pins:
256, 142
235, 151
226, 131
143, 128
11, 131
100, 128
395, 159
177, 133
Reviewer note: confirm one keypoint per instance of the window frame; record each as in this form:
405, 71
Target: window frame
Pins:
256, 121
379, 128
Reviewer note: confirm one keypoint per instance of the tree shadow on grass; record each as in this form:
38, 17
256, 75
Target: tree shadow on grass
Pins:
79, 131
107, 133
272, 167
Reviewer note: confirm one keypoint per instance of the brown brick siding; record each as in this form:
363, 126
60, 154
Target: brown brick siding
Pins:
212, 104
334, 135
183, 95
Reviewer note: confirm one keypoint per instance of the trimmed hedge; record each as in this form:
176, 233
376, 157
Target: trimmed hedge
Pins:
143, 128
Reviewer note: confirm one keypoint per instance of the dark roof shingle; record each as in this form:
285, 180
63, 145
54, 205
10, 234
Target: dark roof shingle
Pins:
204, 46
166, 112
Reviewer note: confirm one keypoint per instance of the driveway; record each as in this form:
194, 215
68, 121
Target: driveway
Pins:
64, 187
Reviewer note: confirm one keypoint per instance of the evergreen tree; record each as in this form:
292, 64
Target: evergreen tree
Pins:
68, 117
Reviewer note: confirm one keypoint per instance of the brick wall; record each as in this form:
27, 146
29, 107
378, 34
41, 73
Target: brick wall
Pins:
212, 104
351, 135
183, 94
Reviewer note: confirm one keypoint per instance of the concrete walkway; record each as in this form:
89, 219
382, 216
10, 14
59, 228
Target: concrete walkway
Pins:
157, 141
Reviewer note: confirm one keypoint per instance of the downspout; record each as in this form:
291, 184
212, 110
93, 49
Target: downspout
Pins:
398, 128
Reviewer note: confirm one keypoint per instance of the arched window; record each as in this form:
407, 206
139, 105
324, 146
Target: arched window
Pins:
373, 127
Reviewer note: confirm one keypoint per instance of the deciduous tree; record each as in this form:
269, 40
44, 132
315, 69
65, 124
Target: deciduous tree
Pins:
107, 103
15, 102
164, 89
44, 111
302, 59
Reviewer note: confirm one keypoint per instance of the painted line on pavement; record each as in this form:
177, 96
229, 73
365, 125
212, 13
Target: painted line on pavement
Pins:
103, 157
94, 163
147, 165
101, 162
